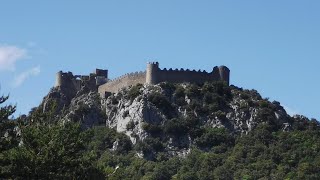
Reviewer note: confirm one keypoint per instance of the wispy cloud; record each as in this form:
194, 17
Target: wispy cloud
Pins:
22, 77
290, 111
9, 55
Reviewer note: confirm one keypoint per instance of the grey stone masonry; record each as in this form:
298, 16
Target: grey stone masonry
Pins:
98, 80
155, 75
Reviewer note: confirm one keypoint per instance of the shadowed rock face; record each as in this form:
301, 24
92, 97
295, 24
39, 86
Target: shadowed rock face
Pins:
86, 109
79, 106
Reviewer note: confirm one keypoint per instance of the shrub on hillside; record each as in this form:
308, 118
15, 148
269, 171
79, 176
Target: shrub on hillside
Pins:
134, 91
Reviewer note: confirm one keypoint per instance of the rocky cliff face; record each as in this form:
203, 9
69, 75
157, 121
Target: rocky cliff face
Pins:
144, 112
168, 117
79, 106
128, 115
239, 116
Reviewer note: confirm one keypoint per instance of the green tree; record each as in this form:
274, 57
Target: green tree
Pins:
7, 110
7, 134
50, 153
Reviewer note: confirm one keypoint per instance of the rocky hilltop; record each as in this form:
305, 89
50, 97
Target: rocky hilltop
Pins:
164, 131
169, 117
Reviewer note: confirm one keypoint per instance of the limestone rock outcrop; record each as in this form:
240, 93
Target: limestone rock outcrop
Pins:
78, 106
168, 115
241, 115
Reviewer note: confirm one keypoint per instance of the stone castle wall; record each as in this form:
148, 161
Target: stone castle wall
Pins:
155, 75
122, 81
179, 76
98, 81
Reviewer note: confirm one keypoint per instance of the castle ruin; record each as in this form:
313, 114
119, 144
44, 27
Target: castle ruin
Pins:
153, 75
67, 80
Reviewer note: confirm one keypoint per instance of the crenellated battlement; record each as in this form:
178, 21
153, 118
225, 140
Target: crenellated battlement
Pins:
128, 75
183, 70
153, 75
154, 63
122, 81
156, 75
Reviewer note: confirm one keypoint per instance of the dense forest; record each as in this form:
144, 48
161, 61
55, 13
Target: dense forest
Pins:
41, 146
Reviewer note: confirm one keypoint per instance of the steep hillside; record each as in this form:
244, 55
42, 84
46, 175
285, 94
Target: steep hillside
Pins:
65, 105
169, 118
177, 115
164, 131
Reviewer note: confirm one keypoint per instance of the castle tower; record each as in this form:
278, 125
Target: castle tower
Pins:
224, 74
151, 74
58, 79
102, 72
101, 76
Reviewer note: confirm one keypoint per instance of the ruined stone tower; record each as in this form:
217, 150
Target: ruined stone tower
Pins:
66, 80
58, 79
101, 76
224, 74
151, 73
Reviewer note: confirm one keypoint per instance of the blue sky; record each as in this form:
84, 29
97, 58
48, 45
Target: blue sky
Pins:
271, 46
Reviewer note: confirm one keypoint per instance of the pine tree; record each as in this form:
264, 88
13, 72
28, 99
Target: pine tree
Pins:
7, 110
7, 136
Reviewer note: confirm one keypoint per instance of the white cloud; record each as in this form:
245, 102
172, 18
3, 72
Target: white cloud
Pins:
21, 78
9, 55
290, 111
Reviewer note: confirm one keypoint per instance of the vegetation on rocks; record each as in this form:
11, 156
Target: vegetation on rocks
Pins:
231, 133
